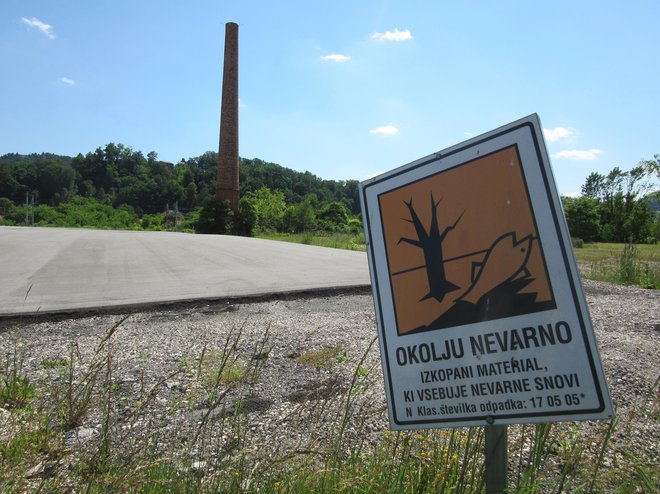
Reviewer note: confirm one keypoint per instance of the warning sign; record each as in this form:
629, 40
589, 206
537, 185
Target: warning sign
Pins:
485, 262
480, 310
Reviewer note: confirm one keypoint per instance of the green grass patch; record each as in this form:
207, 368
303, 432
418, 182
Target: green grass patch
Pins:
613, 263
217, 368
323, 358
610, 251
16, 390
34, 436
346, 241
626, 264
54, 363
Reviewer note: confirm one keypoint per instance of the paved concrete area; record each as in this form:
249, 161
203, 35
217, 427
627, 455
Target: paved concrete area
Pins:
62, 269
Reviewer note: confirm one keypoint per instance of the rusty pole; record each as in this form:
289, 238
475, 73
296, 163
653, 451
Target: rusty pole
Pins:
228, 175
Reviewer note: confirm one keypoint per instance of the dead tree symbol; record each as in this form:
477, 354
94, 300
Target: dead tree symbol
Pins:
431, 245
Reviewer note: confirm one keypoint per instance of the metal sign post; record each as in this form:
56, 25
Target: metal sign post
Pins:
496, 458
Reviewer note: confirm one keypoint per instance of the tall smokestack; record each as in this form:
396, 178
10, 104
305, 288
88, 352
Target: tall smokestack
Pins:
227, 178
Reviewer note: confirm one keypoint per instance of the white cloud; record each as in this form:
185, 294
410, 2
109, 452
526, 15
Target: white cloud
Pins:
395, 35
336, 57
47, 29
574, 195
372, 175
559, 133
67, 81
579, 154
468, 134
388, 130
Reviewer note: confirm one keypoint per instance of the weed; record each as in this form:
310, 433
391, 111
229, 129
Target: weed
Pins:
323, 358
221, 371
54, 363
307, 238
338, 448
601, 454
222, 367
16, 390
183, 364
33, 436
626, 264
629, 265
72, 394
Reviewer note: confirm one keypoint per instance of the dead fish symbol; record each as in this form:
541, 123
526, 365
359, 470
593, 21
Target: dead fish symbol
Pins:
505, 259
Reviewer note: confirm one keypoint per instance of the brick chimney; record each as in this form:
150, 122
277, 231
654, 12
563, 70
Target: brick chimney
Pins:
228, 177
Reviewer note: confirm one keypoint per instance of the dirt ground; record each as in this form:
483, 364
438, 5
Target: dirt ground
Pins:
165, 350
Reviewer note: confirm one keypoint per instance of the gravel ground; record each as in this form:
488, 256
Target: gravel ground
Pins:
162, 395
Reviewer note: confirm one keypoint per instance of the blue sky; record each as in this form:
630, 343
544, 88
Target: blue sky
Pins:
343, 89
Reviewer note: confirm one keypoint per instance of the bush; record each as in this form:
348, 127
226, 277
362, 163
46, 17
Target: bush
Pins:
89, 213
264, 209
219, 219
334, 217
213, 217
153, 222
355, 226
299, 217
247, 218
577, 242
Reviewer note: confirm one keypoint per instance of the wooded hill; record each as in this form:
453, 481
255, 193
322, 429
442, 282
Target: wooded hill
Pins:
121, 178
117, 175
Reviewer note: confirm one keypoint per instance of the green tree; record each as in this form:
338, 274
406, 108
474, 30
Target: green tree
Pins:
638, 225
269, 207
6, 205
624, 212
594, 185
9, 186
300, 217
583, 217
7, 209
333, 216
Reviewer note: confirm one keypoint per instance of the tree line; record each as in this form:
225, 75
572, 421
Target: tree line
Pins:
622, 206
153, 194
118, 187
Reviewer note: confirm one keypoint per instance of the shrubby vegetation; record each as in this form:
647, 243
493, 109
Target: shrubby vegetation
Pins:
117, 187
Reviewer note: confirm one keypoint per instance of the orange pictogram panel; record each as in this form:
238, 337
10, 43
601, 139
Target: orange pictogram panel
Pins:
462, 246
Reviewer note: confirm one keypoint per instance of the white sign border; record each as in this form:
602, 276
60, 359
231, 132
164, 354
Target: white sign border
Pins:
439, 162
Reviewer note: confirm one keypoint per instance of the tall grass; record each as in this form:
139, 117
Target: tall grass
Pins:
336, 441
626, 266
15, 387
347, 241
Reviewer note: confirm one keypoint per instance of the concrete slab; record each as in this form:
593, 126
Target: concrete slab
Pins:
63, 269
